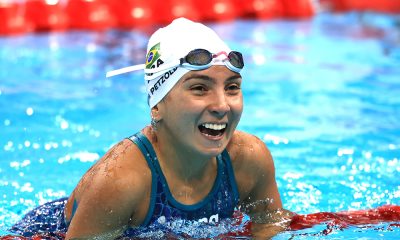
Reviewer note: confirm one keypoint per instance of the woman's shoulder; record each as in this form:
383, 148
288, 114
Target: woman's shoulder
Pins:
121, 168
117, 183
124, 158
249, 150
251, 162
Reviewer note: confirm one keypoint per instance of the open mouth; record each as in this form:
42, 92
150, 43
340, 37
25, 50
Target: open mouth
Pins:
213, 129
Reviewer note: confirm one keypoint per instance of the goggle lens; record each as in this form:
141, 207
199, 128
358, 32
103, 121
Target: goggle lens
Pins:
202, 57
236, 59
199, 57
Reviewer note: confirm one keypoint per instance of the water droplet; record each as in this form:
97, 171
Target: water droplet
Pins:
80, 128
9, 146
161, 220
47, 146
64, 124
29, 111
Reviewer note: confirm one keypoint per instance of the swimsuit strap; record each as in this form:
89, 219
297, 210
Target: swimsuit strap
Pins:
162, 203
149, 154
231, 174
145, 147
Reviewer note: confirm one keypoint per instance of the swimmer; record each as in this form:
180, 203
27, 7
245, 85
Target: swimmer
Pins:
190, 163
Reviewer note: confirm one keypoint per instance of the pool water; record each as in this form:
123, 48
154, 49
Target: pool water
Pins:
323, 94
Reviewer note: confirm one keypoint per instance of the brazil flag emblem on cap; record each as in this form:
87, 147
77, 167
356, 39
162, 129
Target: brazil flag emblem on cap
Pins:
152, 55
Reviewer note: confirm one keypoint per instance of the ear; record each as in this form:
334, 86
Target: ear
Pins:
156, 113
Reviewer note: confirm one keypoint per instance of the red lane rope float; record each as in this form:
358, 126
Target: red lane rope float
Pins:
260, 9
385, 6
386, 213
166, 11
297, 8
383, 214
50, 15
13, 19
187, 9
271, 9
92, 15
132, 13
217, 10
46, 15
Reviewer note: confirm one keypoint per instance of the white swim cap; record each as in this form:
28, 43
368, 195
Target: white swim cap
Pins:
166, 47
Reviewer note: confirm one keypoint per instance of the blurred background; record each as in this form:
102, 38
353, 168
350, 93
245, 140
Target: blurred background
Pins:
22, 16
321, 88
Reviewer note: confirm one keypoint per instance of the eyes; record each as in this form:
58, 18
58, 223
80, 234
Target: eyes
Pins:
202, 89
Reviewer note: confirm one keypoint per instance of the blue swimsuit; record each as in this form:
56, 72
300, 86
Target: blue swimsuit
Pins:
218, 204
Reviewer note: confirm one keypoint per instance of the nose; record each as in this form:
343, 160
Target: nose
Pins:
219, 106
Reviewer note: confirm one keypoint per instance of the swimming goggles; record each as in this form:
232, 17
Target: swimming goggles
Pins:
198, 59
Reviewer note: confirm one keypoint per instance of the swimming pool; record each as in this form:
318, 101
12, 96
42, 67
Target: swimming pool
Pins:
324, 94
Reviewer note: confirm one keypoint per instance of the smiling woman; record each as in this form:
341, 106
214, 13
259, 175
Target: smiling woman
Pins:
191, 163
203, 110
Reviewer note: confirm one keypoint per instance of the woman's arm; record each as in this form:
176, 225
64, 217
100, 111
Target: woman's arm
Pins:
107, 196
262, 201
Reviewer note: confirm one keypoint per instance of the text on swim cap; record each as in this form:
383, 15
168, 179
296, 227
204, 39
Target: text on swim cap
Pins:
161, 80
159, 62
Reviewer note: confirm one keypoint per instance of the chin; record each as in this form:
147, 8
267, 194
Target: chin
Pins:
213, 152
212, 149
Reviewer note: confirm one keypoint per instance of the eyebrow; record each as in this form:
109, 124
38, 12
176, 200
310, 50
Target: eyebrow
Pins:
208, 78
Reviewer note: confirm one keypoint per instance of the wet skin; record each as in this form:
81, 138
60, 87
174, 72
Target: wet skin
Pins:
115, 192
210, 96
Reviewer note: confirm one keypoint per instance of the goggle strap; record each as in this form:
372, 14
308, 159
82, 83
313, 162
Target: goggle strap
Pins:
215, 55
180, 62
162, 68
124, 70
140, 67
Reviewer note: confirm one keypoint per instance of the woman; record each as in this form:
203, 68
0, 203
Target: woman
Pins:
191, 163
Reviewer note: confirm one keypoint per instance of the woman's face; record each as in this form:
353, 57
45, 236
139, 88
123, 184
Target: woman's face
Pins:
202, 110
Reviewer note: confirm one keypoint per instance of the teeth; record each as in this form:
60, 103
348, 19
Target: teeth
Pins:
215, 126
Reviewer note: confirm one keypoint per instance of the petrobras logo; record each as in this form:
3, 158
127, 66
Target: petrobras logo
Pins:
153, 57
